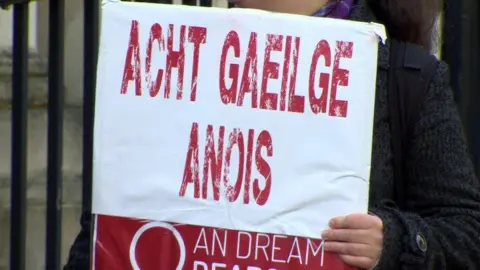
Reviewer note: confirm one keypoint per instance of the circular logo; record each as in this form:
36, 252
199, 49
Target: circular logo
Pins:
157, 224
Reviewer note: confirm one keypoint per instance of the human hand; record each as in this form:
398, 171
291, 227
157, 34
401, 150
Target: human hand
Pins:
357, 238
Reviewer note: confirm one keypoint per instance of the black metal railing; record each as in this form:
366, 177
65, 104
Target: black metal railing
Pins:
56, 98
459, 51
19, 137
461, 43
90, 56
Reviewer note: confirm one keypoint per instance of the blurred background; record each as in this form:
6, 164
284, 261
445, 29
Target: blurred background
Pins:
68, 32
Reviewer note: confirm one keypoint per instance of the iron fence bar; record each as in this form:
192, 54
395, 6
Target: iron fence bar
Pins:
460, 51
19, 137
91, 42
476, 113
55, 134
206, 3
469, 76
189, 2
154, 1
452, 44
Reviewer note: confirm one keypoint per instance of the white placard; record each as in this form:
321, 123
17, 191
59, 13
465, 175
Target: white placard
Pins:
234, 119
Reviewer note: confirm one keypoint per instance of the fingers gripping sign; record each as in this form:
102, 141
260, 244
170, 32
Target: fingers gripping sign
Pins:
357, 238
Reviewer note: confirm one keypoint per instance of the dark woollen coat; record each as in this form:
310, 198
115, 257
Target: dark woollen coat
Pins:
441, 228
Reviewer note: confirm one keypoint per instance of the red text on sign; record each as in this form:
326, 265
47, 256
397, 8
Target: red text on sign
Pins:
247, 83
161, 39
242, 80
328, 81
216, 164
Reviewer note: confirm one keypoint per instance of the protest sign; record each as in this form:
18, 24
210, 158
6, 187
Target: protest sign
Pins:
226, 139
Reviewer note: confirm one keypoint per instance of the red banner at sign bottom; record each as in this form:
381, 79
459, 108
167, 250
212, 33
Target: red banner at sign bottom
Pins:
123, 243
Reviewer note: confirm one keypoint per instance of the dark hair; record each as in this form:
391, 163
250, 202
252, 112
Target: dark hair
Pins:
409, 20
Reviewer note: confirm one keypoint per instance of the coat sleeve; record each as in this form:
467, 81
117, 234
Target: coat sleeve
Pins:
440, 228
79, 255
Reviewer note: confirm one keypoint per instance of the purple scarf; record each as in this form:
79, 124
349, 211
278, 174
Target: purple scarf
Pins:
339, 9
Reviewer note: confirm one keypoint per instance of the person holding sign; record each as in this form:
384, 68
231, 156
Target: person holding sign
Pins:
440, 226
424, 196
